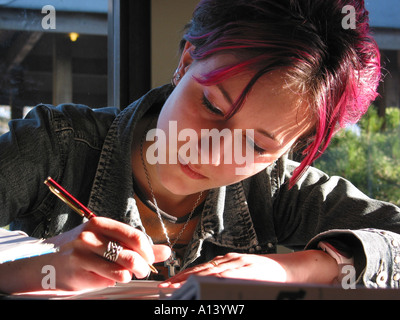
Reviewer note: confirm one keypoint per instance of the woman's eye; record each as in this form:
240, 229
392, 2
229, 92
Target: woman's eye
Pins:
256, 148
210, 107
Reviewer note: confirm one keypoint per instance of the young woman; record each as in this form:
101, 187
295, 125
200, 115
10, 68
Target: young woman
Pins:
269, 76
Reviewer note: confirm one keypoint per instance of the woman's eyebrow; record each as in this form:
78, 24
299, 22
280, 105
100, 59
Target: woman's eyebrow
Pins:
230, 101
225, 93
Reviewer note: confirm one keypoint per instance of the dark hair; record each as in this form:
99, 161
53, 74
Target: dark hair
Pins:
337, 69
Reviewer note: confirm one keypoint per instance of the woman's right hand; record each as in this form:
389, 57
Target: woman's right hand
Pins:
79, 263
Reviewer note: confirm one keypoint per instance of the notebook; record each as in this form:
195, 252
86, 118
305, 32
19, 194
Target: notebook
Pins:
18, 245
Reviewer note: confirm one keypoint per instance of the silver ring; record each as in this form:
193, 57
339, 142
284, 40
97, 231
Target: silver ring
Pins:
112, 252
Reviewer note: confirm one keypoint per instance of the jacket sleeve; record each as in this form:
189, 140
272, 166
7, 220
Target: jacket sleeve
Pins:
28, 152
50, 141
326, 208
376, 253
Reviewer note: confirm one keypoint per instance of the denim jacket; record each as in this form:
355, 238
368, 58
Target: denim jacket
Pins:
88, 152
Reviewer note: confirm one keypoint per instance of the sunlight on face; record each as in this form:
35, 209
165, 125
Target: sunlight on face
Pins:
274, 113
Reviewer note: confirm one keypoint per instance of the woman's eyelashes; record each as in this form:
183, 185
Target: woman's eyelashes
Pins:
210, 107
256, 148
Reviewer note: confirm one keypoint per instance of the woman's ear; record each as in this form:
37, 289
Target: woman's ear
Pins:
185, 62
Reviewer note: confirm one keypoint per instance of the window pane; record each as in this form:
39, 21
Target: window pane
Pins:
53, 52
368, 155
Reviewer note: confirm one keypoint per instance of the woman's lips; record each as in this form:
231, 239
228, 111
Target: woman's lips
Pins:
190, 172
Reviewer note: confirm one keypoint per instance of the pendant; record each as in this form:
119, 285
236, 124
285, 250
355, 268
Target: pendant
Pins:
172, 264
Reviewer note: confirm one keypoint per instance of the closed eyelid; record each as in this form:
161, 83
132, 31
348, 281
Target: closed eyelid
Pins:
211, 106
270, 136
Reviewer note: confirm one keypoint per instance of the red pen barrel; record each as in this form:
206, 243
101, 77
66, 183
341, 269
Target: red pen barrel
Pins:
68, 198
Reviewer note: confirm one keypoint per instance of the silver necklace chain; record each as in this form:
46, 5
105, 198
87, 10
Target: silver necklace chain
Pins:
171, 245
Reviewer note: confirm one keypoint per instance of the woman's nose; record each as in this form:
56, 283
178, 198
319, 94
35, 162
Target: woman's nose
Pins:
215, 146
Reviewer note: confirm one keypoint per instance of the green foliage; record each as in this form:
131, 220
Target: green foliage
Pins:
369, 157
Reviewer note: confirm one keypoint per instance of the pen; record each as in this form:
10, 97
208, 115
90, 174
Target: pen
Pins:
74, 204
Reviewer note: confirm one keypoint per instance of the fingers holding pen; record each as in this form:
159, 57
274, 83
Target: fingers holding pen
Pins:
126, 246
129, 247
81, 253
92, 253
127, 236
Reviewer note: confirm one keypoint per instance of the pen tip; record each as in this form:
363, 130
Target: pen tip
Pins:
152, 268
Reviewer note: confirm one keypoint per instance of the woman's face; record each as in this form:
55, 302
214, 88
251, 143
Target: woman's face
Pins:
193, 122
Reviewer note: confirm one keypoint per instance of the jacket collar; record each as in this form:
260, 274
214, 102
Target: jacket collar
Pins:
113, 185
